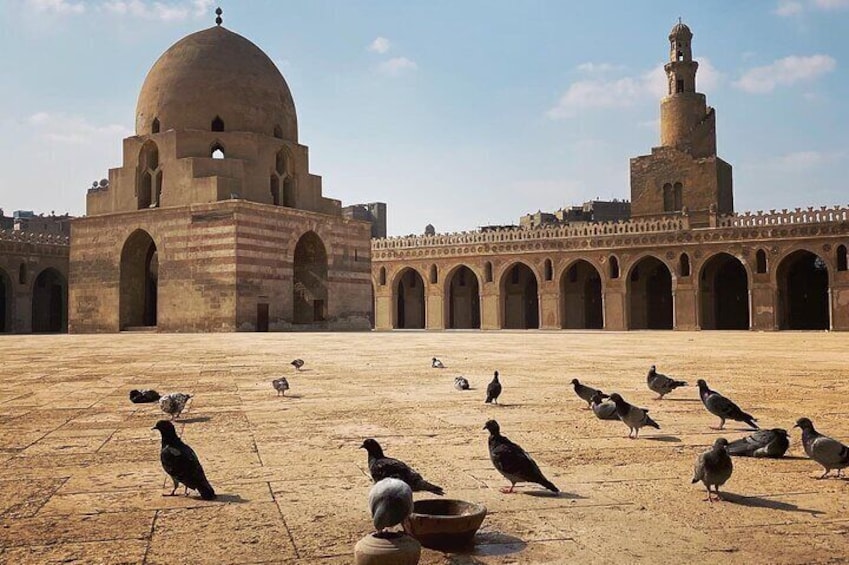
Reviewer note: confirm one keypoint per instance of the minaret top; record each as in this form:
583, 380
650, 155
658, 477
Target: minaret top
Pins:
218, 12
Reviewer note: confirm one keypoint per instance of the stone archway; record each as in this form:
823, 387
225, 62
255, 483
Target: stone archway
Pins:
463, 299
723, 294
49, 302
650, 295
519, 292
139, 281
6, 297
409, 301
581, 297
803, 297
310, 280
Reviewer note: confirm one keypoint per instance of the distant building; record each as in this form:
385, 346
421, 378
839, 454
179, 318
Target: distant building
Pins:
374, 212
27, 220
590, 211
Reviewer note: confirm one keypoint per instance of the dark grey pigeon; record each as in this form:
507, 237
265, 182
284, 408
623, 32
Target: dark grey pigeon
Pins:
714, 467
722, 407
143, 396
603, 410
297, 363
281, 385
512, 461
763, 443
661, 384
634, 417
493, 390
436, 363
586, 393
828, 452
181, 463
390, 502
382, 467
461, 383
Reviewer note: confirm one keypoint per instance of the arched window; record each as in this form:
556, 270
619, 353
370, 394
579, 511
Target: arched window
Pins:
216, 151
678, 196
614, 267
487, 272
278, 132
154, 126
217, 124
684, 265
275, 190
149, 187
549, 270
280, 163
22, 274
841, 257
383, 276
433, 277
760, 260
289, 192
668, 198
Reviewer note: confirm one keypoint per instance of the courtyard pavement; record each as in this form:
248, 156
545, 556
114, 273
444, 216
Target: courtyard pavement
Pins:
80, 480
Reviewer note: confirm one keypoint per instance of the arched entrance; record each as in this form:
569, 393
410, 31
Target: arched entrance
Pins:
580, 297
49, 300
803, 298
519, 298
650, 295
139, 281
464, 303
310, 280
409, 301
5, 302
723, 294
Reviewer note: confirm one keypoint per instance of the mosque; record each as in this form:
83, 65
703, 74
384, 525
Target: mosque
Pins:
684, 260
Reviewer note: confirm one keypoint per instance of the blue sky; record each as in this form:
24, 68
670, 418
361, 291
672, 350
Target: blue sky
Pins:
458, 113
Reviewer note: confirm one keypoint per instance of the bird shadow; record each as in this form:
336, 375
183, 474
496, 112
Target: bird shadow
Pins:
491, 544
760, 502
549, 494
302, 371
681, 400
667, 439
295, 396
195, 420
501, 405
231, 498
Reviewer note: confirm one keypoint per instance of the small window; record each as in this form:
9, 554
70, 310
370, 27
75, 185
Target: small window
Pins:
22, 274
684, 265
382, 276
217, 124
356, 255
678, 197
760, 260
217, 151
679, 85
549, 270
841, 257
278, 132
614, 267
280, 162
679, 56
154, 126
668, 198
433, 277
275, 190
487, 272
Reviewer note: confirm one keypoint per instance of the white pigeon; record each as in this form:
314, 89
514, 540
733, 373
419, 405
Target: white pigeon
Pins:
174, 403
436, 363
461, 383
281, 385
390, 501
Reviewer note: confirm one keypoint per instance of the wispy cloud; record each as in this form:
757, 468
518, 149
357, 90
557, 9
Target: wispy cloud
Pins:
75, 130
56, 6
597, 68
380, 45
790, 8
397, 66
623, 92
785, 72
162, 11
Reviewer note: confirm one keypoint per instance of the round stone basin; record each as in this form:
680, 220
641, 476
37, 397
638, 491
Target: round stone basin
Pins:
444, 523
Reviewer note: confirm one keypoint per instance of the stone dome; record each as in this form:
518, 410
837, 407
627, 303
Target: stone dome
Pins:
680, 30
211, 74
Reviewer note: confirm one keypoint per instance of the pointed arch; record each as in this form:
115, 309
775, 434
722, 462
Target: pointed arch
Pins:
217, 124
139, 281
434, 275
216, 150
382, 277
723, 294
154, 126
841, 258
760, 261
684, 265
462, 299
581, 304
649, 290
548, 270
613, 267
803, 292
409, 300
310, 280
519, 296
49, 302
487, 270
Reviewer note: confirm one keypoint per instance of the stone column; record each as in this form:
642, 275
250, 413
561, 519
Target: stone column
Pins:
686, 305
615, 305
383, 310
489, 307
763, 308
435, 309
840, 305
549, 306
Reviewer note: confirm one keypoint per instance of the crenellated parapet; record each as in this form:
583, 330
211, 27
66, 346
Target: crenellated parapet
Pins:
809, 215
51, 239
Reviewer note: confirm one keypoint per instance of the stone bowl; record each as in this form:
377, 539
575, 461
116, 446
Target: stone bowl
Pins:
444, 523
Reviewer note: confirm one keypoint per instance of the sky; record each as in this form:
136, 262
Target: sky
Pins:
457, 113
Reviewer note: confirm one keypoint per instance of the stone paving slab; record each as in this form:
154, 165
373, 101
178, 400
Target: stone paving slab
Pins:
80, 479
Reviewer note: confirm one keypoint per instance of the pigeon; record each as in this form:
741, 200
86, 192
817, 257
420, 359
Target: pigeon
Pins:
714, 467
493, 390
586, 393
174, 403
390, 501
512, 461
297, 363
181, 463
828, 452
143, 396
461, 383
436, 364
720, 406
281, 385
635, 418
382, 467
661, 384
763, 443
603, 410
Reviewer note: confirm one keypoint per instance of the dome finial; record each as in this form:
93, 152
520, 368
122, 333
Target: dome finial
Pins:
218, 12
